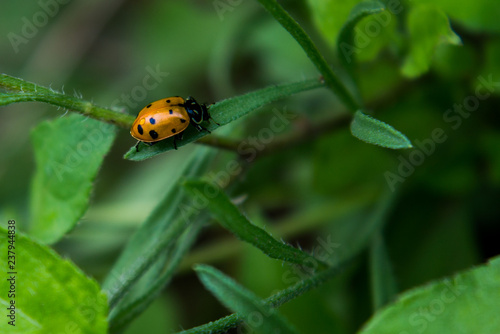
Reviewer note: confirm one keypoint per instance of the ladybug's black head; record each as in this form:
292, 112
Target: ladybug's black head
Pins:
197, 112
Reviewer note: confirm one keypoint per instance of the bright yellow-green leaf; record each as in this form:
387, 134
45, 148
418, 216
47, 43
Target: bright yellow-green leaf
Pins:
68, 153
50, 295
466, 303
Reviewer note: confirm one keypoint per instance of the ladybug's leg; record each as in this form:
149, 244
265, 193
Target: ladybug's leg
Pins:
213, 120
138, 142
179, 137
201, 128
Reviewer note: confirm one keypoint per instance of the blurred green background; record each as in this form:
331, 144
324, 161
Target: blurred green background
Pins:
444, 218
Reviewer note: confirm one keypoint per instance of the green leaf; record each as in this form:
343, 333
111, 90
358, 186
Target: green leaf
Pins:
276, 300
51, 294
383, 283
466, 303
373, 131
225, 112
228, 215
428, 27
154, 280
345, 41
255, 312
158, 235
68, 154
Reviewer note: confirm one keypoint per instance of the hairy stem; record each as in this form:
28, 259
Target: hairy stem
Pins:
331, 80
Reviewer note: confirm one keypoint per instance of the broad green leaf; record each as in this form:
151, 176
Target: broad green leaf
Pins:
51, 294
158, 235
256, 314
373, 131
345, 42
227, 214
224, 112
68, 152
428, 27
465, 303
383, 283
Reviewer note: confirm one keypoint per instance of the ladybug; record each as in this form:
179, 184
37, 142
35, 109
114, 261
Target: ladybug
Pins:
168, 117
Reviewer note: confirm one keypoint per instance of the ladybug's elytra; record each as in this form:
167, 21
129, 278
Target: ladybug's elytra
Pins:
168, 117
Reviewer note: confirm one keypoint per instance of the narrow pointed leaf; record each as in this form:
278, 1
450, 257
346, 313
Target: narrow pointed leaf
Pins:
51, 294
276, 300
345, 41
465, 303
159, 233
373, 131
228, 215
224, 112
154, 280
259, 316
68, 151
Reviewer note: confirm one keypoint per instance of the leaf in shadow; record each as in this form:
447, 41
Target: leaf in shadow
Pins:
255, 312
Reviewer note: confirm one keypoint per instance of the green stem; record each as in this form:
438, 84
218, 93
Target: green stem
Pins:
224, 324
24, 91
312, 52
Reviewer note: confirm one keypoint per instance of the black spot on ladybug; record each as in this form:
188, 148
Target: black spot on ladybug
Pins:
153, 134
148, 106
183, 120
139, 128
173, 131
152, 120
170, 111
168, 101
